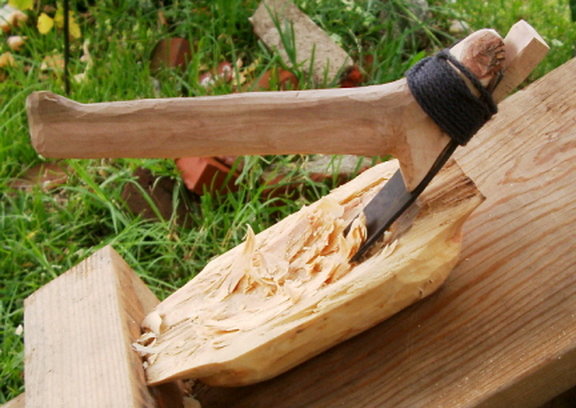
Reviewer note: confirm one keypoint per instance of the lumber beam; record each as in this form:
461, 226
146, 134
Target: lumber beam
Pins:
276, 20
502, 330
79, 330
18, 402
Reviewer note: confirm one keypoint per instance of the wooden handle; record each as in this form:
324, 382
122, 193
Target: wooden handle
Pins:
372, 120
313, 121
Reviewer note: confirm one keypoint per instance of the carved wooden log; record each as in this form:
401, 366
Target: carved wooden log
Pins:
290, 292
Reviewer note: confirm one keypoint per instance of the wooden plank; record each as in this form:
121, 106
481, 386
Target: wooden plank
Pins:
18, 402
79, 329
276, 21
502, 330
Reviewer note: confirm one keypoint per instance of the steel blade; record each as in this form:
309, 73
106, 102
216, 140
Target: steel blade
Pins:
393, 200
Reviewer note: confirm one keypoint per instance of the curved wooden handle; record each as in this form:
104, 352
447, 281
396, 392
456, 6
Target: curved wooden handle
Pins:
355, 120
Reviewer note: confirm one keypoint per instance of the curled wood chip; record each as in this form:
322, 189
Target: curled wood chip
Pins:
154, 323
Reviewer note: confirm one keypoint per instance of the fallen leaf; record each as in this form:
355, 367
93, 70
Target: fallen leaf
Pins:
45, 23
52, 63
458, 27
7, 60
243, 74
22, 4
86, 55
80, 78
73, 25
11, 17
15, 42
75, 30
45, 176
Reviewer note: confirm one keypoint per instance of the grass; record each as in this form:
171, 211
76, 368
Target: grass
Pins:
44, 233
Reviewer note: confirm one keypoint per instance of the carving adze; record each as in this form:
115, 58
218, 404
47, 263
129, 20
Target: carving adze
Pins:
372, 120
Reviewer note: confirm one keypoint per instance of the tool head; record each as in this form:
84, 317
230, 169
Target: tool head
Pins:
482, 53
525, 49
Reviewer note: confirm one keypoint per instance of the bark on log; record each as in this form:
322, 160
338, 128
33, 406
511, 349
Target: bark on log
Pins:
290, 292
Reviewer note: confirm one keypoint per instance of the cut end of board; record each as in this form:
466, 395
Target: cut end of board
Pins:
290, 292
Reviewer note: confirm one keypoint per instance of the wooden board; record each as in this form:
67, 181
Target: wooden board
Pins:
276, 21
18, 402
79, 329
502, 330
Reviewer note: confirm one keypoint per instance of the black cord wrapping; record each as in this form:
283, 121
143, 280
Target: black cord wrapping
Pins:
446, 98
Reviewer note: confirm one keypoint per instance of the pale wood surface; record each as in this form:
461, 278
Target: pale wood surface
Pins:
18, 402
368, 121
502, 330
314, 47
291, 292
78, 334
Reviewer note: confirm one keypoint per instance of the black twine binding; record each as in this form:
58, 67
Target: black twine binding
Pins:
446, 98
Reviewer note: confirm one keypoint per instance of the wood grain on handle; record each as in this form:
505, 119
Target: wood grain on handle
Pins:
312, 121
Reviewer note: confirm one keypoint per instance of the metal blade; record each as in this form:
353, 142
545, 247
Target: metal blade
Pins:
393, 199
